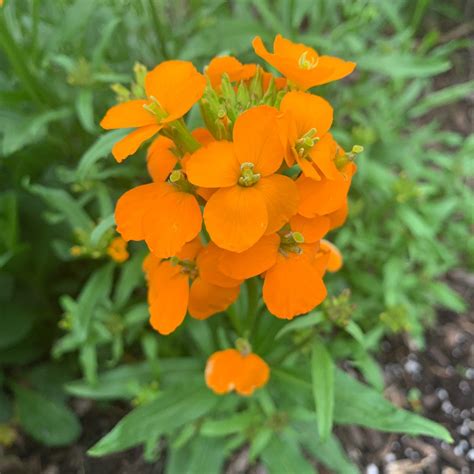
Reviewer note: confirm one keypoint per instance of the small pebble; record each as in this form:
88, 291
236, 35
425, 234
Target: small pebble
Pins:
470, 373
447, 407
390, 457
464, 387
412, 367
372, 469
470, 455
442, 394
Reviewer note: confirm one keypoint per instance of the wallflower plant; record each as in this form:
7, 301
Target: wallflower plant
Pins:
235, 221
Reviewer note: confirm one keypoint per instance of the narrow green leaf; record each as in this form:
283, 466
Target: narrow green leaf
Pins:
322, 374
85, 110
445, 96
312, 319
171, 410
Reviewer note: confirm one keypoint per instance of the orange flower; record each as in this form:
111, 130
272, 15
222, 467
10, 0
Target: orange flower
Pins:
162, 155
117, 250
161, 159
301, 64
335, 257
305, 124
230, 66
170, 294
324, 197
229, 370
172, 88
293, 271
252, 200
166, 215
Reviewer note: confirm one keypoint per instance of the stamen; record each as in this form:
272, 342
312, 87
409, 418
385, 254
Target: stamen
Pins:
247, 176
305, 63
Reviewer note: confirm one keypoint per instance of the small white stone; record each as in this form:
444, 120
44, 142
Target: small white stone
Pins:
372, 469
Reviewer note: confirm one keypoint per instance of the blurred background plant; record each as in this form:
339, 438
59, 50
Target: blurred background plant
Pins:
69, 309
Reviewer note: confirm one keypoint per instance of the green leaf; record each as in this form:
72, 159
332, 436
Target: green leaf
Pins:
356, 332
445, 96
96, 290
15, 323
322, 373
369, 368
28, 129
229, 425
447, 297
282, 456
402, 65
171, 410
358, 404
5, 407
85, 110
329, 453
312, 319
65, 204
207, 456
48, 422
100, 149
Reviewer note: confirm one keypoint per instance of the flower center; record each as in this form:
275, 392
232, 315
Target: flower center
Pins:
247, 175
305, 63
155, 108
304, 144
289, 242
187, 266
178, 180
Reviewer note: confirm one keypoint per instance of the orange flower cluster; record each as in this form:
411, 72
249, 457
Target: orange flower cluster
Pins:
252, 194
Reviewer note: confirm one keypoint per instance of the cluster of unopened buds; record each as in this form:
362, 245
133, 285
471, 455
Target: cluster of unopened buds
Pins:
250, 195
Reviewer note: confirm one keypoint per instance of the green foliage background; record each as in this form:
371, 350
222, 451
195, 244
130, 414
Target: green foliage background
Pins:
64, 317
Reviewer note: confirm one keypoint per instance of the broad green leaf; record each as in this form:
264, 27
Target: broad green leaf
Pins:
359, 404
5, 407
232, 424
312, 319
283, 456
48, 422
322, 374
15, 323
171, 410
329, 453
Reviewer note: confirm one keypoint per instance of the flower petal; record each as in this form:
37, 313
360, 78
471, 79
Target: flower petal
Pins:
129, 114
308, 111
257, 139
213, 166
292, 286
206, 299
176, 85
321, 197
281, 198
323, 154
230, 66
160, 159
133, 205
173, 221
253, 261
339, 216
338, 69
207, 262
254, 373
221, 370
313, 229
131, 143
168, 294
335, 257
236, 217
